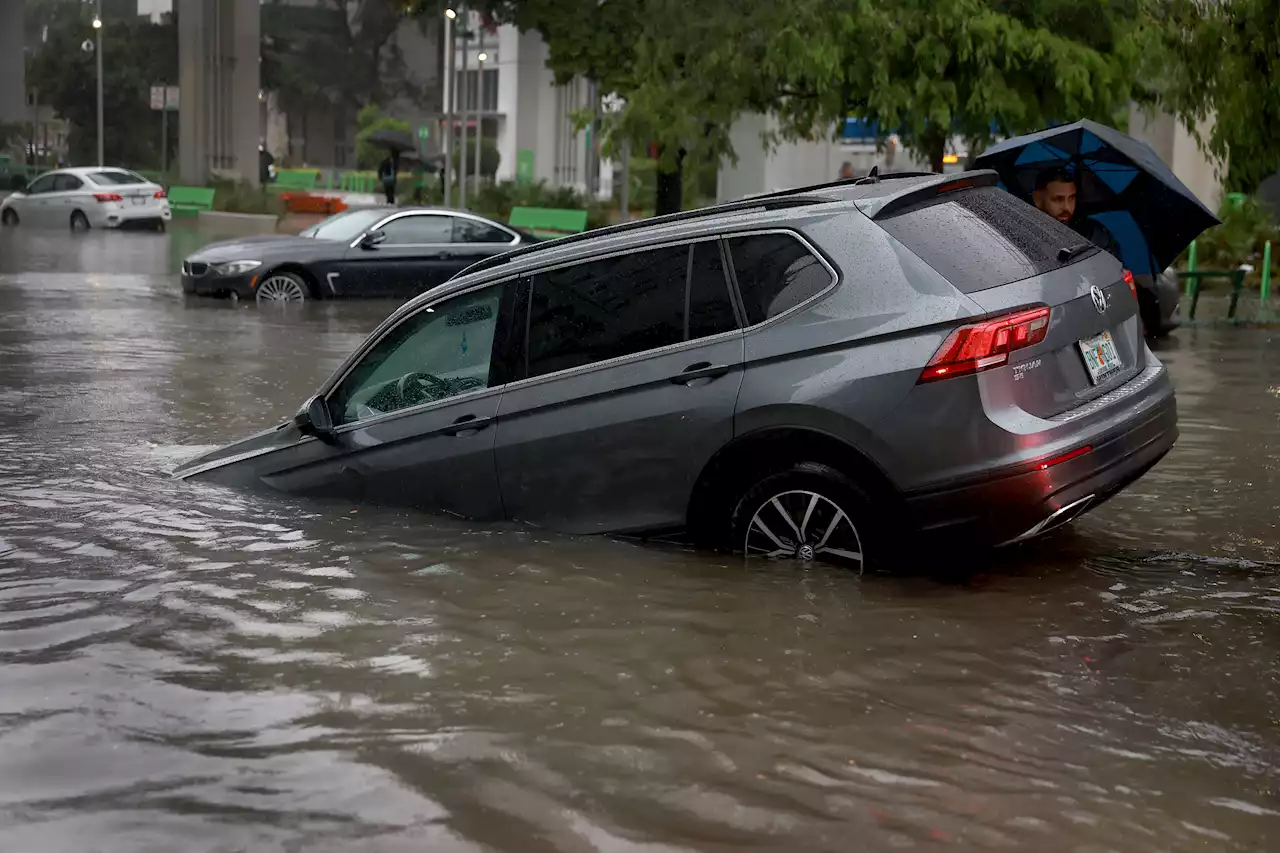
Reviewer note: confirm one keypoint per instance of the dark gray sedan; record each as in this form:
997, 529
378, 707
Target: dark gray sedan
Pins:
374, 252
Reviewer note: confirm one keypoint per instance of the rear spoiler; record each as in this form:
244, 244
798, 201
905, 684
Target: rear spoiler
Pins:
879, 207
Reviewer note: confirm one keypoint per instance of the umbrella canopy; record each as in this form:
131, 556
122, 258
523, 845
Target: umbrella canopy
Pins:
1120, 181
396, 141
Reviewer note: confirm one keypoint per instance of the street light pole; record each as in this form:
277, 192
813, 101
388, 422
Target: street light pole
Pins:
464, 90
480, 60
97, 25
449, 15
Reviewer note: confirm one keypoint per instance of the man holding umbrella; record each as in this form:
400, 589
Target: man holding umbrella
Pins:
1056, 193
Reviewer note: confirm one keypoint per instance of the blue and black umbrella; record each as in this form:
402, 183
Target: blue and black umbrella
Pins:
1120, 181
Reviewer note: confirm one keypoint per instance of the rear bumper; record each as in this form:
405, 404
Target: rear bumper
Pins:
116, 215
1019, 505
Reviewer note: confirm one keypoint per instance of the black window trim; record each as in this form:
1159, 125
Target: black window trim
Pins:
331, 386
799, 306
527, 381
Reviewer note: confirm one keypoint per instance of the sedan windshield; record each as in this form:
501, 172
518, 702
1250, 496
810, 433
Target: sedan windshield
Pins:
344, 226
116, 177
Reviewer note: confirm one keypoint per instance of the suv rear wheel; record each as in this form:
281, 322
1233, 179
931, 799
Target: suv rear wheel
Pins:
808, 512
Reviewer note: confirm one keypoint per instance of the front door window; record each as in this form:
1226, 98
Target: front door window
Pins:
438, 353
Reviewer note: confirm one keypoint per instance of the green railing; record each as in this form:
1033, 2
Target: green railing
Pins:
1193, 276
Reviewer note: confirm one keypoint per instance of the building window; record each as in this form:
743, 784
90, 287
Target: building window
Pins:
467, 96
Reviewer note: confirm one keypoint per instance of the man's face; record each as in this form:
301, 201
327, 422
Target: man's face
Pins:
1058, 199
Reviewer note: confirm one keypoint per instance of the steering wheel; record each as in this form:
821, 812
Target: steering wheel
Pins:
415, 388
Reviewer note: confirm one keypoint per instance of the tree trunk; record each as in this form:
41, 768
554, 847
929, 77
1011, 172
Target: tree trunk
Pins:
669, 194
937, 147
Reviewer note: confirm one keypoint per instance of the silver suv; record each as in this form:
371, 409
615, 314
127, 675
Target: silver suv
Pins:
814, 374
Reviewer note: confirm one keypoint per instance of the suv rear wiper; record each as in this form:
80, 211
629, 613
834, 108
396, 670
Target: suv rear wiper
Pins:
1070, 252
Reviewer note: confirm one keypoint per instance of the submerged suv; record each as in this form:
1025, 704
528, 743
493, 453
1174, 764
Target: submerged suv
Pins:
825, 374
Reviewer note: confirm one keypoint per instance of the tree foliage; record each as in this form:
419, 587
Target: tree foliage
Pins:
930, 69
136, 55
339, 52
1222, 60
926, 68
369, 120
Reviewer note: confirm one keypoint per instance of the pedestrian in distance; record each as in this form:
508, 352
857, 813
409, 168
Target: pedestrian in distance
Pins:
387, 174
846, 171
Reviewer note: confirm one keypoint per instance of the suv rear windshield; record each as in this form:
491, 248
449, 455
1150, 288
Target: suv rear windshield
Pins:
983, 238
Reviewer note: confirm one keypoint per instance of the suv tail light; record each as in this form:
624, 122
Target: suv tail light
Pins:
103, 198
159, 194
982, 346
1128, 279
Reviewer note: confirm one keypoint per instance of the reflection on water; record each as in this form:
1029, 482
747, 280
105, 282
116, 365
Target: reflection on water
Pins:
188, 668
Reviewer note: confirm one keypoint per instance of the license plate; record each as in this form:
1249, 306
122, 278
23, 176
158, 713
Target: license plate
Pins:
1100, 357
139, 200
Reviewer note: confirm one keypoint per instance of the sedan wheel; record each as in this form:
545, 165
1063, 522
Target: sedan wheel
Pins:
9, 217
79, 222
282, 287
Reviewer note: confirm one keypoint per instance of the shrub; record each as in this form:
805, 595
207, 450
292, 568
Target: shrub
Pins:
1240, 238
242, 198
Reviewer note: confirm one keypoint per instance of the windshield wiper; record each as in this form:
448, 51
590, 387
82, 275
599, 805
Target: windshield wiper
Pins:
1070, 252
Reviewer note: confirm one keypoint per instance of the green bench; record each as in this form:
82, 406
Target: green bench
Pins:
189, 201
296, 180
548, 221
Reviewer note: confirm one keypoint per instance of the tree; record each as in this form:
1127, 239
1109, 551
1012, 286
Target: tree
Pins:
340, 52
931, 69
369, 120
686, 71
1222, 60
136, 54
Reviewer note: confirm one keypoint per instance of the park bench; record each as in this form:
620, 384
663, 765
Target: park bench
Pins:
189, 201
548, 221
296, 179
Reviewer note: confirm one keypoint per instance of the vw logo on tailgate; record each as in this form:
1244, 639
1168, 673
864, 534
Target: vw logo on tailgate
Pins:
1099, 299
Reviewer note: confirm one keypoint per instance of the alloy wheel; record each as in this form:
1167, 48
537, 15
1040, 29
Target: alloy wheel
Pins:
805, 526
281, 288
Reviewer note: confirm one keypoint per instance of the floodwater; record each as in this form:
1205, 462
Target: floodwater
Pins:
188, 668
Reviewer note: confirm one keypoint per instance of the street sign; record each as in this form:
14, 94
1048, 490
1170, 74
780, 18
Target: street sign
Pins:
424, 132
524, 166
164, 97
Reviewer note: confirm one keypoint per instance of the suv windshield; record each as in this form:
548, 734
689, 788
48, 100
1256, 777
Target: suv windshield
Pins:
983, 238
344, 226
116, 178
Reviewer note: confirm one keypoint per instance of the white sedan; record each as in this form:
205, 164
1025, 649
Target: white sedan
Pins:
84, 198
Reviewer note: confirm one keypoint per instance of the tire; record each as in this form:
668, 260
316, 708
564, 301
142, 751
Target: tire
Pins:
79, 222
158, 226
838, 519
282, 286
9, 218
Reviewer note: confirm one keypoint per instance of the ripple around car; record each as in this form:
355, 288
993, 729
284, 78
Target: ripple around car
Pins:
831, 373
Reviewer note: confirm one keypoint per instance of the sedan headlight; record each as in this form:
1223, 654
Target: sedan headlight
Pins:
236, 267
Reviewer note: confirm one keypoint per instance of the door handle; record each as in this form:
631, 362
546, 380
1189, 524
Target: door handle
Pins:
700, 370
467, 424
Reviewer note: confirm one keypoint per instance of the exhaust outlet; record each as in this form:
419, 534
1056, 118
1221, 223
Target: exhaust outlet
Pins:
1062, 516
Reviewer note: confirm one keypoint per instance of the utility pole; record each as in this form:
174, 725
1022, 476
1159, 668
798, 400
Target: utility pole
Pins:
480, 60
464, 89
449, 15
97, 25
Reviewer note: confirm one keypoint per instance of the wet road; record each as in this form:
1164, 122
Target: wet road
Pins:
188, 668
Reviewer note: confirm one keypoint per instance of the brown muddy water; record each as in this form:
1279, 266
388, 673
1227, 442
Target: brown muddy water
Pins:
185, 668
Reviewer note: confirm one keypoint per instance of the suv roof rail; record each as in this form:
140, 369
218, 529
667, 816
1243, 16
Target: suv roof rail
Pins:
785, 200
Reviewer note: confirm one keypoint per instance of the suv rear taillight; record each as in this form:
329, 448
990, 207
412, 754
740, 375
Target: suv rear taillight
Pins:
982, 346
1128, 279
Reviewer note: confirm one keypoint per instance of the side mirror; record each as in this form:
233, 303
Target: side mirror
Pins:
372, 239
313, 419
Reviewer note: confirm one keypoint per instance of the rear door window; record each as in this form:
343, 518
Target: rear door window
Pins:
983, 238
775, 272
632, 303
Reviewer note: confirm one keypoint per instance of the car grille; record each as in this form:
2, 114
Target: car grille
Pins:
194, 268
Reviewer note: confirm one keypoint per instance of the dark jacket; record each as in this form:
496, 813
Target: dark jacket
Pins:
1097, 234
387, 171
